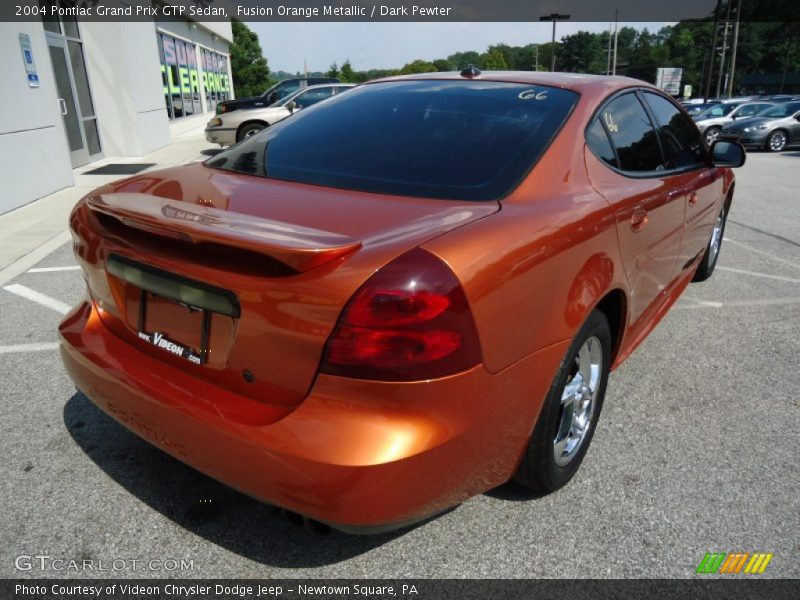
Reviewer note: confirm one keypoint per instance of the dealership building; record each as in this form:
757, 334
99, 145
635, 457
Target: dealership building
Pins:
76, 92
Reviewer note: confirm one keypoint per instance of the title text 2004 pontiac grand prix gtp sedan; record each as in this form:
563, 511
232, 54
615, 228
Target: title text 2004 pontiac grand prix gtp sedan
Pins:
401, 297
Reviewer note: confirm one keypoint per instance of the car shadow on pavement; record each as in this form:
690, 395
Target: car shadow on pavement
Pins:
202, 505
514, 492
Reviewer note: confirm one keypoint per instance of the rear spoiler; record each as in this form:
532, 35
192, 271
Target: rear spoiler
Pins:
301, 248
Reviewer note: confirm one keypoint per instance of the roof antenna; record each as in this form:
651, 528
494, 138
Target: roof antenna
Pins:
470, 71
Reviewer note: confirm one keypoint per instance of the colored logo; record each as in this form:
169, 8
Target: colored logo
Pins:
736, 562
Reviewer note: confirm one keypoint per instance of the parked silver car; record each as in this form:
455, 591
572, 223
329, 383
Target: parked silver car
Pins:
774, 129
711, 121
228, 128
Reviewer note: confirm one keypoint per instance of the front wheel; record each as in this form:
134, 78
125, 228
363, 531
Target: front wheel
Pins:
570, 412
706, 267
712, 135
777, 141
248, 131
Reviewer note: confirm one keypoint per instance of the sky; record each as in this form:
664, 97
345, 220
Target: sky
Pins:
391, 45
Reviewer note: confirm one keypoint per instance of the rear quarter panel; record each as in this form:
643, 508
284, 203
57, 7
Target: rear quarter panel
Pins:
533, 271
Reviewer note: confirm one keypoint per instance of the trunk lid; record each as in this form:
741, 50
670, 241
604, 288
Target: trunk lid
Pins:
240, 279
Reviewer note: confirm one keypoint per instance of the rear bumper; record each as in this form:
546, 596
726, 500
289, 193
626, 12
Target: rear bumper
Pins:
354, 454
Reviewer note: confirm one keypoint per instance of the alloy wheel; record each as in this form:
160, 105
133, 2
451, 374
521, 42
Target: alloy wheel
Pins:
712, 135
578, 401
716, 238
777, 141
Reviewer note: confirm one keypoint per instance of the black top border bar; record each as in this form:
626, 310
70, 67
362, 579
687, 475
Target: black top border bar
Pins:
603, 11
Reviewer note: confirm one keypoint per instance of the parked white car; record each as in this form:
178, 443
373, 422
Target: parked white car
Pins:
228, 128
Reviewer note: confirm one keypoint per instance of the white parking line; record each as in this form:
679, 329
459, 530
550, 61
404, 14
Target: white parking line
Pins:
708, 303
756, 274
762, 253
38, 297
54, 269
738, 303
43, 347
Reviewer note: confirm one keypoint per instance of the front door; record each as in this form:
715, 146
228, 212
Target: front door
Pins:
74, 99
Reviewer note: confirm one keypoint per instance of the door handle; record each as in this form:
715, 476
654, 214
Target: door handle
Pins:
63, 106
638, 219
693, 198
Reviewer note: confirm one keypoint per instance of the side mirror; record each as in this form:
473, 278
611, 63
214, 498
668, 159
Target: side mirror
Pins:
727, 154
292, 106
797, 117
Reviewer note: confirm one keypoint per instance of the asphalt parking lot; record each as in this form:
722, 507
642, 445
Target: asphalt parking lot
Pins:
696, 450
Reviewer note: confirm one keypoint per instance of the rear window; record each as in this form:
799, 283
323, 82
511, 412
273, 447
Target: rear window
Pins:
467, 140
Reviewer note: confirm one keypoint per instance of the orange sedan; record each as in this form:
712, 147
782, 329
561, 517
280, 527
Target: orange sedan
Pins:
401, 297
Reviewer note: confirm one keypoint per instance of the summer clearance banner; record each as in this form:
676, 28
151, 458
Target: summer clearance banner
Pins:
394, 10
180, 71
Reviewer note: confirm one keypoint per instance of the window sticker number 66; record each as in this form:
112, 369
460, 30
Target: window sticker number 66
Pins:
533, 95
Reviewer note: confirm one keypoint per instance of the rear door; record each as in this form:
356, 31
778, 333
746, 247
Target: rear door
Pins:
687, 164
649, 208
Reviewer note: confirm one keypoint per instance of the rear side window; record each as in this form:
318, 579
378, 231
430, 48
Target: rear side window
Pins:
681, 141
632, 134
597, 140
465, 140
312, 96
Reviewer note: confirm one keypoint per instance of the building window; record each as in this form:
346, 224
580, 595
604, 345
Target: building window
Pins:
182, 79
179, 76
215, 78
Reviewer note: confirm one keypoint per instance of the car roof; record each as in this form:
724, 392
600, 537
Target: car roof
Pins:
577, 82
315, 87
327, 85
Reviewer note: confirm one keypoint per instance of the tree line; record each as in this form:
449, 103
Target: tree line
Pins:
763, 47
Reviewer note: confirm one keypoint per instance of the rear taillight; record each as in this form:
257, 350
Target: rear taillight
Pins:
409, 321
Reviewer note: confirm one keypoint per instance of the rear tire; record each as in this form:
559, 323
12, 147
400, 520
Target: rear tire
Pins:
570, 411
706, 267
248, 131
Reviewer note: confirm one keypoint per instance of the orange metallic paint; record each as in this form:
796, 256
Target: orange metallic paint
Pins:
359, 453
354, 453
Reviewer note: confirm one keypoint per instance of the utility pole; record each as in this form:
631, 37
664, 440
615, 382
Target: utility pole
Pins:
555, 18
733, 49
616, 37
701, 87
785, 65
608, 60
536, 66
724, 49
713, 52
